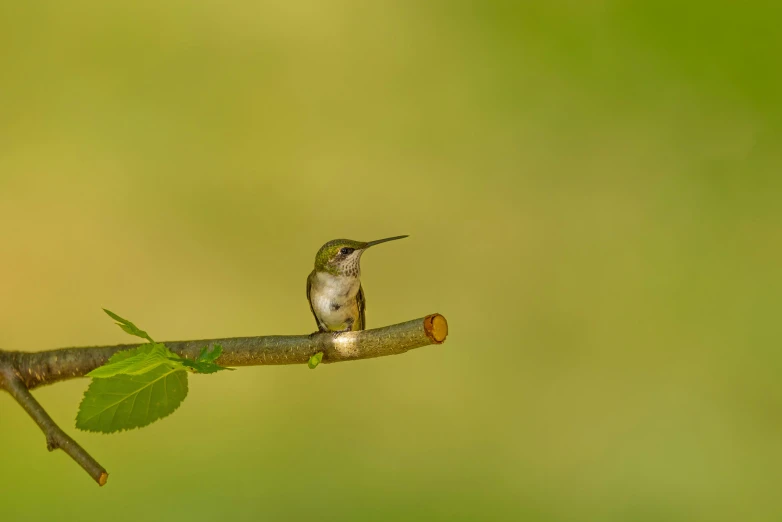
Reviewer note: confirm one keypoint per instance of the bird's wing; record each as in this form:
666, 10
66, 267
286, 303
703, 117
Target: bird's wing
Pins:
362, 306
309, 300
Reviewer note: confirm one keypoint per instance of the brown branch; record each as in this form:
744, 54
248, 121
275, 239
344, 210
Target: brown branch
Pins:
55, 437
20, 372
47, 367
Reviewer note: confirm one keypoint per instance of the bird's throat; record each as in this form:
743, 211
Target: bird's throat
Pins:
335, 287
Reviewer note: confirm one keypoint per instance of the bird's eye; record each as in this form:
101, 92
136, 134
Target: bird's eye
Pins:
345, 251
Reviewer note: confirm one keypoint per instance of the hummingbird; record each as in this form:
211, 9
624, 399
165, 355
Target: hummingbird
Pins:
334, 287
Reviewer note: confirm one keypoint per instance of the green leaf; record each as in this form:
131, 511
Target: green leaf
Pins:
129, 327
213, 355
315, 360
203, 367
135, 362
124, 402
206, 361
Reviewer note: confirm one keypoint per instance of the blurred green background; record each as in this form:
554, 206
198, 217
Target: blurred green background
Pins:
592, 192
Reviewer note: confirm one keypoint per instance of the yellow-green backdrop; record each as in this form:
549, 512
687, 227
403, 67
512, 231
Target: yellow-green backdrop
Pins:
593, 196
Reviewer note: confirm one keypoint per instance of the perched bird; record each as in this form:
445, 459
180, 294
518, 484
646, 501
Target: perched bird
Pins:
334, 287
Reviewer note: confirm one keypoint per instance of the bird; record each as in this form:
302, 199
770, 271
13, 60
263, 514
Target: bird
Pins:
334, 288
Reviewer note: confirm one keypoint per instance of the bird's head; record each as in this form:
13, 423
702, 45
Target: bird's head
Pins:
342, 256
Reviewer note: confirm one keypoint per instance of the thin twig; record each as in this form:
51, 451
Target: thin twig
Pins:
55, 437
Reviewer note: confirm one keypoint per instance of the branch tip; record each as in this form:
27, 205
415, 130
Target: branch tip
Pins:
436, 328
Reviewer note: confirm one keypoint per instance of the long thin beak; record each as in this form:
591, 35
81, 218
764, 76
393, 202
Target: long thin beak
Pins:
377, 242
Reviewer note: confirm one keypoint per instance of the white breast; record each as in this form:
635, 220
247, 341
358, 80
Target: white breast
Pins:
334, 299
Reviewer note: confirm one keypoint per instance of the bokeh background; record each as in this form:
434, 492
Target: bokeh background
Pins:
592, 192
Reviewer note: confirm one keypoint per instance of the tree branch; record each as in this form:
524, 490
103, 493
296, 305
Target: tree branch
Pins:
21, 372
55, 437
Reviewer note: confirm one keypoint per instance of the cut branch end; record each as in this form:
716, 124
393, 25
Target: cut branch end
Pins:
436, 328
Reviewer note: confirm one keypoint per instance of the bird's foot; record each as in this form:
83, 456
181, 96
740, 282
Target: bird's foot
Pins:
337, 333
315, 360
